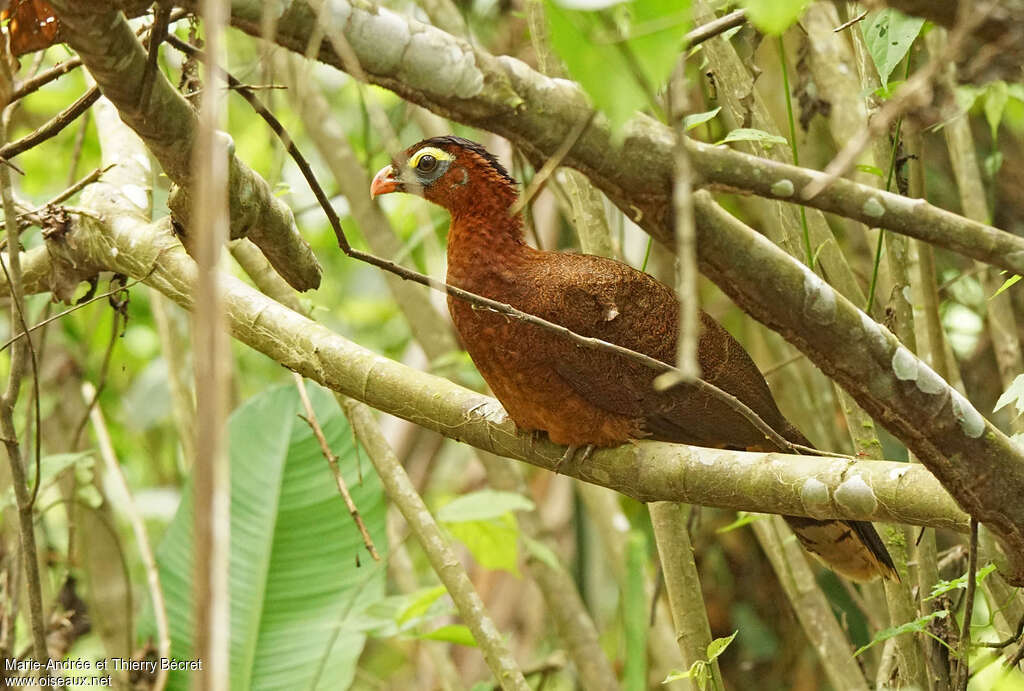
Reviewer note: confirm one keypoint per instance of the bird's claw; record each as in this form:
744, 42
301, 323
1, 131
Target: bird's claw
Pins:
570, 452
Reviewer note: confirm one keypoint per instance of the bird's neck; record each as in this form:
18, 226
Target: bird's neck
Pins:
485, 243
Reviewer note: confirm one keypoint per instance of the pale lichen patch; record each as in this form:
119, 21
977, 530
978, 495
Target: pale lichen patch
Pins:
441, 66
856, 496
379, 39
819, 299
970, 420
873, 208
928, 380
815, 498
904, 364
783, 188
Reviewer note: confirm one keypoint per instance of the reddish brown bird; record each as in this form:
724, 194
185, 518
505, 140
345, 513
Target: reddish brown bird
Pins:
588, 397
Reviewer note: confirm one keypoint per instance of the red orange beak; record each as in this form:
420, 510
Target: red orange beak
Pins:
384, 181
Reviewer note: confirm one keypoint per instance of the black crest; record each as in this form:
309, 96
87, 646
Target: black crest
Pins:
451, 140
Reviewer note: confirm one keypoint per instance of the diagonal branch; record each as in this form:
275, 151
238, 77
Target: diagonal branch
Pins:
426, 66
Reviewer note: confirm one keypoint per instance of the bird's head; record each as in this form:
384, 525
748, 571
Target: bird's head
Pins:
453, 172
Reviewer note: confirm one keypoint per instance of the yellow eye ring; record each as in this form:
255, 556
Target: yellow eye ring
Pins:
426, 159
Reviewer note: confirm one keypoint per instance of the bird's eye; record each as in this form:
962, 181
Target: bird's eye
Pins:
426, 163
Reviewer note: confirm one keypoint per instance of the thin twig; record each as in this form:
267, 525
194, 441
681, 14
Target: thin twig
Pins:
74, 308
332, 461
1005, 643
715, 27
22, 357
848, 24
584, 341
538, 181
131, 510
963, 650
53, 127
158, 32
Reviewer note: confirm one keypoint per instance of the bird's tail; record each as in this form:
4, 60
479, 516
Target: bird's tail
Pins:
850, 548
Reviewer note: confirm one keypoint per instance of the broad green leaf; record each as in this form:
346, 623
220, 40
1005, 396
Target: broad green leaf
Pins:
742, 518
621, 55
718, 646
454, 633
774, 16
691, 121
919, 625
494, 543
996, 96
1014, 394
943, 587
299, 573
748, 134
889, 34
482, 505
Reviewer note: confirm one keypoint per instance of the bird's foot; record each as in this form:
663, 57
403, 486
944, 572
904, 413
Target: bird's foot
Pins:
570, 452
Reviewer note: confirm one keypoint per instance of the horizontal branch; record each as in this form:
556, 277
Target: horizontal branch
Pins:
823, 487
504, 95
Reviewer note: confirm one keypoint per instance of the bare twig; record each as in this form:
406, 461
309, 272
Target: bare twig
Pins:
158, 32
22, 357
131, 510
53, 127
715, 27
848, 24
538, 181
964, 649
68, 311
332, 461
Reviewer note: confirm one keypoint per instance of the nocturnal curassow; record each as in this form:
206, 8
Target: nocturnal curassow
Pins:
583, 397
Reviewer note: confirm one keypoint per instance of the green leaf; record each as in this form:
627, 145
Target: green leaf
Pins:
421, 603
943, 587
541, 552
718, 646
1014, 394
996, 96
919, 625
873, 170
482, 505
747, 134
621, 54
774, 16
493, 543
695, 119
742, 518
454, 633
1006, 284
299, 574
889, 34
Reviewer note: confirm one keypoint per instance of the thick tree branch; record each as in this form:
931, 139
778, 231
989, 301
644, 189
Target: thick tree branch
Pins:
168, 124
976, 462
823, 487
503, 95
